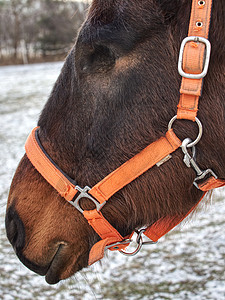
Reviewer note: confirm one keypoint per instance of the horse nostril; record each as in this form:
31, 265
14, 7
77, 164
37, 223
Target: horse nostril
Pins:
12, 231
15, 229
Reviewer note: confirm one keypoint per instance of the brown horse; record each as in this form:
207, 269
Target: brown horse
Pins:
116, 93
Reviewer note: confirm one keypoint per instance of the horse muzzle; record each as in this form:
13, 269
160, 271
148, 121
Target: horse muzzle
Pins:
59, 251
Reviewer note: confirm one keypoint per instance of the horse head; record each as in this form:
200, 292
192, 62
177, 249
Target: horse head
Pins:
116, 93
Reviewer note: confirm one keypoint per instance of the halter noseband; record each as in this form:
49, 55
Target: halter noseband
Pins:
193, 65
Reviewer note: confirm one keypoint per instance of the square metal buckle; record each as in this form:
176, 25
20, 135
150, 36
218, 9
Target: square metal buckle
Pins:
84, 194
196, 39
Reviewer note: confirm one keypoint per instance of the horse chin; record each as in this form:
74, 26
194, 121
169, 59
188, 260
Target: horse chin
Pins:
52, 275
63, 264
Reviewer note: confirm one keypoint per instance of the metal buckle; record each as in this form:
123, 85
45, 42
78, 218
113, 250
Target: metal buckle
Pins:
200, 127
84, 194
196, 39
190, 162
139, 241
203, 175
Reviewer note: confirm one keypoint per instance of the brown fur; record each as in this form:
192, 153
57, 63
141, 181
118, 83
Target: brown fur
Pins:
116, 93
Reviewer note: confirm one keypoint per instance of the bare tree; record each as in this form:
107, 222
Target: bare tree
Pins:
30, 26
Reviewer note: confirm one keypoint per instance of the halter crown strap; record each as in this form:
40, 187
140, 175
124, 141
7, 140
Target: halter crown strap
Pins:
193, 65
194, 59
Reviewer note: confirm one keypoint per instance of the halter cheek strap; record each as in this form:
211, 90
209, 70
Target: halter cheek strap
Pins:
193, 64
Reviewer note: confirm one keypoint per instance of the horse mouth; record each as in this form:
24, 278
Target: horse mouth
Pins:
62, 265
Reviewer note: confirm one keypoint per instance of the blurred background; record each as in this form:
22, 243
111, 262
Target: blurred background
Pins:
187, 264
38, 30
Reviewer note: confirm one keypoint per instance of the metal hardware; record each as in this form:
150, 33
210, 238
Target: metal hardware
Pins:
199, 24
195, 39
138, 248
190, 162
84, 194
115, 246
188, 159
139, 241
203, 175
199, 133
200, 3
142, 231
162, 161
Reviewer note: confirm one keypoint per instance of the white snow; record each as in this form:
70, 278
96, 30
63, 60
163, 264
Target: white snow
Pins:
187, 264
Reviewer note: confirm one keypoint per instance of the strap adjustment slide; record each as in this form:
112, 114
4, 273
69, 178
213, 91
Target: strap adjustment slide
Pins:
196, 39
84, 194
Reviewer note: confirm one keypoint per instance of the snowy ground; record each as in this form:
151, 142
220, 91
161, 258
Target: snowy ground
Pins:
188, 263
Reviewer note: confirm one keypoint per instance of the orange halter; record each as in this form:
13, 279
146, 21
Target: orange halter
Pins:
193, 65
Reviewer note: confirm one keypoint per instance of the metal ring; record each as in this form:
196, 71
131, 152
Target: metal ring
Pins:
171, 122
199, 24
199, 134
201, 2
139, 246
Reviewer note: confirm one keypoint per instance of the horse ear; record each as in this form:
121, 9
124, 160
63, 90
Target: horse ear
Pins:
169, 8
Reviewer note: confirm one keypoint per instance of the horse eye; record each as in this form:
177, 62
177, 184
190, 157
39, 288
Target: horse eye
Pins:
97, 58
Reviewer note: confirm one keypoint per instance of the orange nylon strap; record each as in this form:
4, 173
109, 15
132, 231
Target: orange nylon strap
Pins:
211, 183
125, 174
43, 163
122, 176
106, 231
136, 166
105, 188
98, 250
164, 225
47, 168
103, 228
193, 59
112, 183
